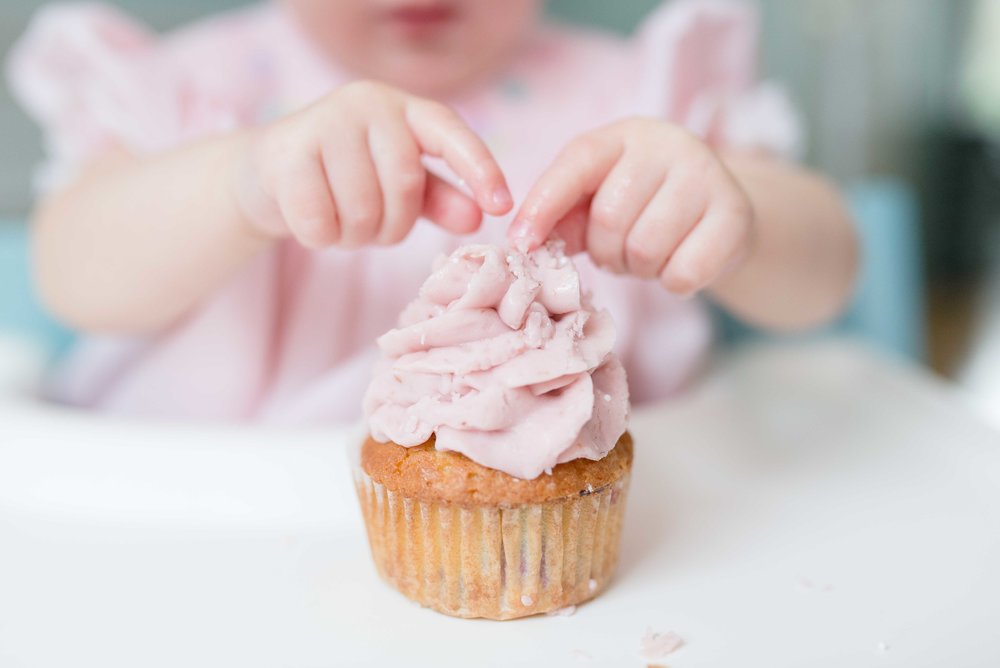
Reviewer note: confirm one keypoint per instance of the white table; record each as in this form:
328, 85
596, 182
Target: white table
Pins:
813, 505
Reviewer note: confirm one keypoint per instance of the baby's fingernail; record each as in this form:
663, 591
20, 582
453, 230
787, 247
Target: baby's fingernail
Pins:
501, 198
521, 235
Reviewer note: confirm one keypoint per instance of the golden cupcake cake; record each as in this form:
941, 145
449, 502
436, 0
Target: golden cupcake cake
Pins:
493, 481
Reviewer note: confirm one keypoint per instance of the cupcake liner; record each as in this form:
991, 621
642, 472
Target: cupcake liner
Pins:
494, 562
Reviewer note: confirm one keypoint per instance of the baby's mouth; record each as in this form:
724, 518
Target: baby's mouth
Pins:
421, 16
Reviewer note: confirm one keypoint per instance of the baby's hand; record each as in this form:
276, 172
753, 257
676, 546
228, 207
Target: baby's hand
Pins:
642, 197
347, 171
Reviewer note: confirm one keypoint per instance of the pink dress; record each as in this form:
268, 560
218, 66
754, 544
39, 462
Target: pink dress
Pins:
291, 338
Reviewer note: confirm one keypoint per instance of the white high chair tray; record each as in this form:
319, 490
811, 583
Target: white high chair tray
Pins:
811, 506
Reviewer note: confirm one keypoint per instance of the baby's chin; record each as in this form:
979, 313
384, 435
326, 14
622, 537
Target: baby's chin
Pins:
429, 74
440, 86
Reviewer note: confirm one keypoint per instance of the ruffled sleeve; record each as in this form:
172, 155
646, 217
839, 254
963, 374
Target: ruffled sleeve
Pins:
699, 69
94, 79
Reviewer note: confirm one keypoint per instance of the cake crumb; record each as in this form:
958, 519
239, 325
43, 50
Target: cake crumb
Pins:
562, 612
607, 397
526, 600
581, 655
592, 585
654, 647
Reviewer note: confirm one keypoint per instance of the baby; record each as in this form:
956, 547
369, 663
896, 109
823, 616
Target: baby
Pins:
234, 212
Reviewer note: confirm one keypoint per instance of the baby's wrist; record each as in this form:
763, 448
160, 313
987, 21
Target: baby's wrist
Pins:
255, 206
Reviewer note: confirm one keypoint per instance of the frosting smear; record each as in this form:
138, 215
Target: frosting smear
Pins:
503, 358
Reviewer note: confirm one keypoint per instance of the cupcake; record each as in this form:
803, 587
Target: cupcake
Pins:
494, 478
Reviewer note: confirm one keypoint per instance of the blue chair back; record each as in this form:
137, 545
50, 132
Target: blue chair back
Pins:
20, 313
889, 306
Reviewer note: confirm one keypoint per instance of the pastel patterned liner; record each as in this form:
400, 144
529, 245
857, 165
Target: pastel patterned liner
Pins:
495, 562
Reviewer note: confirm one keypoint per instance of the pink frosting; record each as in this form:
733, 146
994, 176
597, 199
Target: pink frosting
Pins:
504, 359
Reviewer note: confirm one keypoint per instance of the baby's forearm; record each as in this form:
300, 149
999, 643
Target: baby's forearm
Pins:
135, 242
803, 259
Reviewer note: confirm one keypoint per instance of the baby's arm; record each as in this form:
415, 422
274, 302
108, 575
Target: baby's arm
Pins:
136, 242
771, 242
802, 259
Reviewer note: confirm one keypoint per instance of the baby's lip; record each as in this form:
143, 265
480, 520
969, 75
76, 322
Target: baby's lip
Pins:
421, 14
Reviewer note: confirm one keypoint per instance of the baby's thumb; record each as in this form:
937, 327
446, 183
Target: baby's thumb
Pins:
449, 208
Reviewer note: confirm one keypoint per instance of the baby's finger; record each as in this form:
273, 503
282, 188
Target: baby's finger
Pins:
306, 204
402, 178
620, 199
574, 176
707, 251
355, 187
449, 208
572, 229
441, 132
670, 215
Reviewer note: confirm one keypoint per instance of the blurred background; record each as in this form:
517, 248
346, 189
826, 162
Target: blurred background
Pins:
902, 104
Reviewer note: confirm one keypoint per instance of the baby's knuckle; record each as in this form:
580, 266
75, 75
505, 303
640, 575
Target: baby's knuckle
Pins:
689, 147
683, 135
363, 89
676, 284
604, 256
304, 229
699, 153
682, 278
640, 250
639, 125
393, 234
307, 241
742, 211
286, 195
316, 233
411, 182
438, 112
363, 220
277, 148
584, 148
446, 113
399, 235
604, 216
